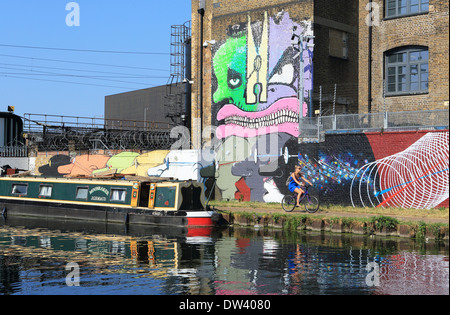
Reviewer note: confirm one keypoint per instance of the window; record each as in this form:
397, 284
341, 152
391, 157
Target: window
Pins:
118, 194
82, 193
19, 189
407, 71
338, 44
45, 190
405, 7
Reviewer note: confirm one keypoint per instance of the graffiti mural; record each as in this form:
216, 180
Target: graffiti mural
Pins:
182, 165
255, 88
49, 166
417, 177
256, 78
399, 169
357, 169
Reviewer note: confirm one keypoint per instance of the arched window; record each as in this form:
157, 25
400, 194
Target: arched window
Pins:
407, 70
399, 8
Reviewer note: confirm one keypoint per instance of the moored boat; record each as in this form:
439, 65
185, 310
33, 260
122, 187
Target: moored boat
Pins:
153, 201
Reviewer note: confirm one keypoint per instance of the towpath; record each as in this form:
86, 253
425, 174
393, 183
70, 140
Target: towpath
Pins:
427, 216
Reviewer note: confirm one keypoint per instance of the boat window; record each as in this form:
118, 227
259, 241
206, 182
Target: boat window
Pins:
45, 190
19, 189
118, 194
82, 192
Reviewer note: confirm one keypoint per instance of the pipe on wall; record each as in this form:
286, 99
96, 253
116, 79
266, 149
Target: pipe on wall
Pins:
201, 11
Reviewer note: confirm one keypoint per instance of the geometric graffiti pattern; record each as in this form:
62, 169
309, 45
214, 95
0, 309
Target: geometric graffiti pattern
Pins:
416, 178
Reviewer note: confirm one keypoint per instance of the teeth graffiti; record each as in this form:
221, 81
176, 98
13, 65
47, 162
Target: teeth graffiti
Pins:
278, 118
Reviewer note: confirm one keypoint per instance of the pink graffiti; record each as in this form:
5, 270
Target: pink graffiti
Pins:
282, 116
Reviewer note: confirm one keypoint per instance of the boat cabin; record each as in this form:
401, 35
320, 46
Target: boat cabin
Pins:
153, 194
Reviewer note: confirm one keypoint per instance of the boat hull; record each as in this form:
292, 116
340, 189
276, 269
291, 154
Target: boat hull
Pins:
108, 214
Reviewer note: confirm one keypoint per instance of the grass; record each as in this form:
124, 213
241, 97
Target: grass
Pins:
439, 213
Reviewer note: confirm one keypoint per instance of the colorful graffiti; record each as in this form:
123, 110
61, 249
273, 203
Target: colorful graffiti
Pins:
417, 177
255, 107
255, 85
256, 78
405, 169
254, 88
182, 165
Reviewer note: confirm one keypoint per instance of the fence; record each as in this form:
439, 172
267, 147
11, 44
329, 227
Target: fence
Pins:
313, 129
61, 133
14, 151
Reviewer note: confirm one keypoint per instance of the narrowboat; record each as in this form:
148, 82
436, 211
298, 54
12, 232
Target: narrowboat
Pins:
151, 201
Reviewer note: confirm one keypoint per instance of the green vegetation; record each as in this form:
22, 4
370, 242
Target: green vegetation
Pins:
369, 225
381, 223
337, 210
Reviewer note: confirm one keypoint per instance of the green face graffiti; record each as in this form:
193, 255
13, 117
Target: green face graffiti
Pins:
230, 64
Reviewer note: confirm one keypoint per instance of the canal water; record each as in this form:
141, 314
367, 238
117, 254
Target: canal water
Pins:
55, 257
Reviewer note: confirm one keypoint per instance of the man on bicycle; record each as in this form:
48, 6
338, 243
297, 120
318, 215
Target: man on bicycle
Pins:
297, 182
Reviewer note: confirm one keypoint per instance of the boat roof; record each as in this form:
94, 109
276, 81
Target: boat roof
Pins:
124, 180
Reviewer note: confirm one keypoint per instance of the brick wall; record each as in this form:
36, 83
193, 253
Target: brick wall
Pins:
220, 15
428, 29
254, 133
341, 16
381, 161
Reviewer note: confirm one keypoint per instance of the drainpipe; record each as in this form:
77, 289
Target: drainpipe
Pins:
369, 74
201, 11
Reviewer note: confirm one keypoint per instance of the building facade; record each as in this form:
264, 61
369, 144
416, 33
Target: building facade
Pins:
249, 71
250, 44
251, 62
403, 55
143, 106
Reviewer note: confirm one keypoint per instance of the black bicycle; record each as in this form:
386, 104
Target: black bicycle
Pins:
310, 202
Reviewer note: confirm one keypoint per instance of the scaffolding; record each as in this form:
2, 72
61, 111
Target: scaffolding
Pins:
177, 98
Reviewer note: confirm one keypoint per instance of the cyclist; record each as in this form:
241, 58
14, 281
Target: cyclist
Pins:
297, 182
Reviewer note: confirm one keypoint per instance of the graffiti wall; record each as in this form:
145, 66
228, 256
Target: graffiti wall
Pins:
255, 86
182, 165
399, 169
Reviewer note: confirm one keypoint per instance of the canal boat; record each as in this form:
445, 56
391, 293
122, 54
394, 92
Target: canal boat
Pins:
153, 201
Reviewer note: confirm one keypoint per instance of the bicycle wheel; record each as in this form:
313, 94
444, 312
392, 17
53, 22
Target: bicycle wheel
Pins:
288, 203
311, 204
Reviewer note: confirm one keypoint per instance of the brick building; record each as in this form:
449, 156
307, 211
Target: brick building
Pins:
408, 43
219, 27
357, 57
344, 44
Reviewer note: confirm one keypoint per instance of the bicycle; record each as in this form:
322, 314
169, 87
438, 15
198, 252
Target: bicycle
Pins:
311, 203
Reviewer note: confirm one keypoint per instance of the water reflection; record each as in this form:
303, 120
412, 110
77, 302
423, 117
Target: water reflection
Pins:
156, 261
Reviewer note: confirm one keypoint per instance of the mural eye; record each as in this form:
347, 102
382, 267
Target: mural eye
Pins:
235, 82
234, 79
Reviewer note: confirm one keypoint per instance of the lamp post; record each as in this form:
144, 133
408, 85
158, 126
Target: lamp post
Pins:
297, 40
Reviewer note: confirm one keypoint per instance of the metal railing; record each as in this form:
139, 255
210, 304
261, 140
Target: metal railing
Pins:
314, 128
14, 151
387, 120
62, 133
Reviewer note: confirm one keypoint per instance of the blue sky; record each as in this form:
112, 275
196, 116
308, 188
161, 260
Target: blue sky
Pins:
125, 26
